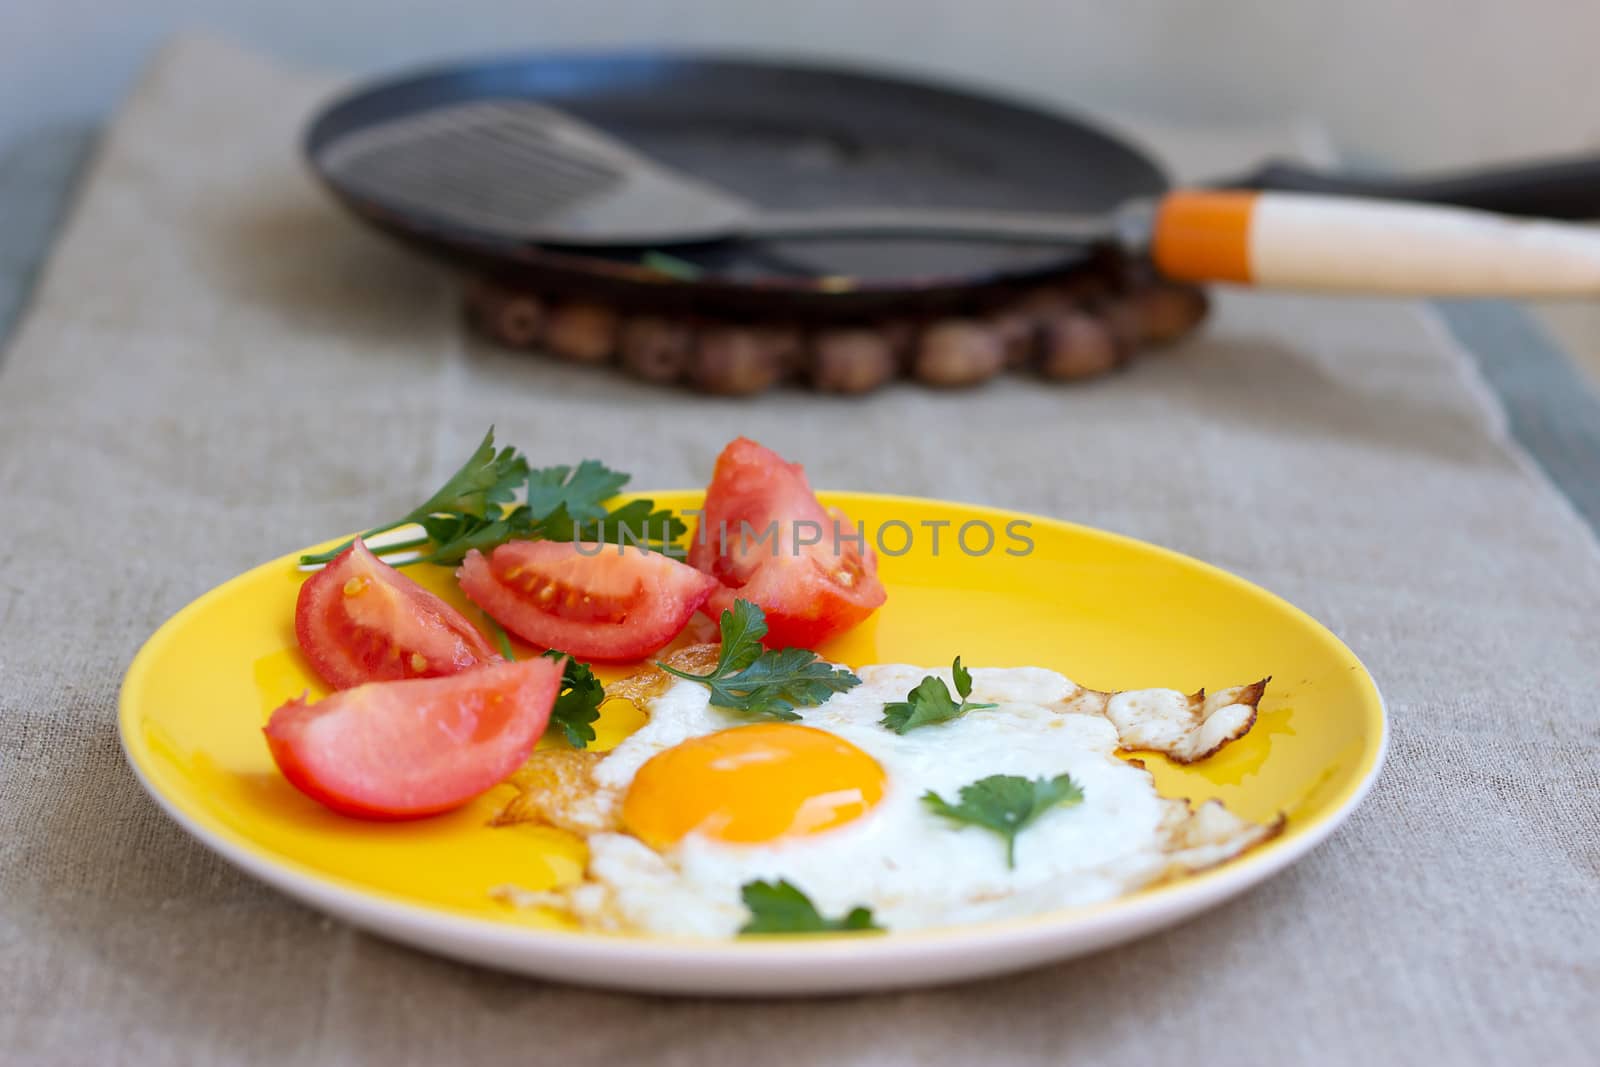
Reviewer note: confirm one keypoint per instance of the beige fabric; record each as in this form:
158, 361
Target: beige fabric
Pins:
219, 366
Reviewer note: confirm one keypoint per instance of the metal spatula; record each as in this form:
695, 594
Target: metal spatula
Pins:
520, 170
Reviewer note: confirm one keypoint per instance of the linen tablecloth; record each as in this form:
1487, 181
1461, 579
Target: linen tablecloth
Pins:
218, 367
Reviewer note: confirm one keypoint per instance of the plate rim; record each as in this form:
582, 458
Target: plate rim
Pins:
1049, 935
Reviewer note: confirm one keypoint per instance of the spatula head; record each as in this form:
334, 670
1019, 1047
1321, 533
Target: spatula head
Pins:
517, 170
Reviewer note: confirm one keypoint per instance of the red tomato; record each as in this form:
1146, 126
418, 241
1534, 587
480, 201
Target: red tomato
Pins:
809, 591
398, 750
360, 620
600, 603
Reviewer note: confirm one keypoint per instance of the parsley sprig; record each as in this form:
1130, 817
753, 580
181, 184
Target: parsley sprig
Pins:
478, 507
1006, 804
930, 702
780, 908
763, 683
578, 700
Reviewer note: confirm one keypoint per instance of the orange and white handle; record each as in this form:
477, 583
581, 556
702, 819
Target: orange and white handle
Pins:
1305, 241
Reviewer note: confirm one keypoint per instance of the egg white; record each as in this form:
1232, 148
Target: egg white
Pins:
913, 868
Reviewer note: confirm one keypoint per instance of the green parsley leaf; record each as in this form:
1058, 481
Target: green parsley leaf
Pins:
453, 536
581, 491
641, 523
473, 494
765, 683
578, 702
780, 908
1006, 804
578, 699
486, 479
477, 508
778, 682
638, 523
930, 702
743, 626
963, 679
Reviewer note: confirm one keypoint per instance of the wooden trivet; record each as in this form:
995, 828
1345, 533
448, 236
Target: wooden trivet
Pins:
1079, 326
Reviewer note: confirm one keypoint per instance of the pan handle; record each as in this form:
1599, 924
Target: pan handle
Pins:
1566, 188
1309, 241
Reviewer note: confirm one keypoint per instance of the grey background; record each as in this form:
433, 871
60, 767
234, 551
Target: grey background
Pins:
1421, 83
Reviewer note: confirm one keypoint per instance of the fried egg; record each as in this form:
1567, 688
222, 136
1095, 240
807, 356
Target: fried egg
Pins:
700, 801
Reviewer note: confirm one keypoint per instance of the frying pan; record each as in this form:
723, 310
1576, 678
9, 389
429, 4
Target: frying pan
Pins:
797, 136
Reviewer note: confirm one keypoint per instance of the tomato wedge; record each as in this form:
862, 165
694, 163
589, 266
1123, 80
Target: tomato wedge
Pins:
767, 539
400, 750
598, 602
359, 620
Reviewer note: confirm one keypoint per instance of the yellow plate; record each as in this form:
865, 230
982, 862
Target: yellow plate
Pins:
1107, 611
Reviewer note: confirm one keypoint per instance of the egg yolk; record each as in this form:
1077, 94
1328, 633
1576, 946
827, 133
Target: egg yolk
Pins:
751, 784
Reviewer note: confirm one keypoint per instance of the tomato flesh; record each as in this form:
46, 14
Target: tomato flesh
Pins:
420, 746
359, 620
598, 602
766, 538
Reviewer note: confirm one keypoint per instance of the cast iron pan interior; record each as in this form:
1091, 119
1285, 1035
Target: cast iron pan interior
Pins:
787, 136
